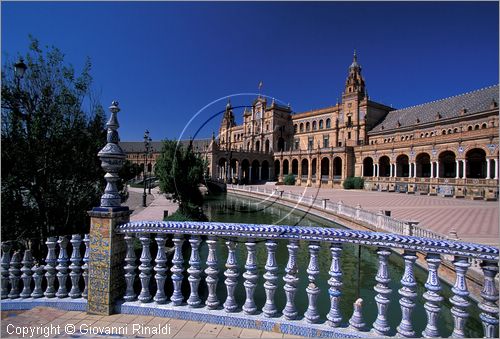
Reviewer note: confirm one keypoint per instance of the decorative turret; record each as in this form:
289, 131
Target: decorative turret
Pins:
355, 84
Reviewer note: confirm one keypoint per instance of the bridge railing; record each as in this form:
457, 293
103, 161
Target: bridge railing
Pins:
376, 220
312, 237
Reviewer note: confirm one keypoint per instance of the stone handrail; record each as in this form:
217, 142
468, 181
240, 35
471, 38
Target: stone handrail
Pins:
377, 221
250, 234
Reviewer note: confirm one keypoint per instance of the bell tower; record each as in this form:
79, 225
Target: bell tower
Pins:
352, 121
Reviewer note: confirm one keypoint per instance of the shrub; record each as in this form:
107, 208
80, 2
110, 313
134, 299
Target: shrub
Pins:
289, 179
353, 182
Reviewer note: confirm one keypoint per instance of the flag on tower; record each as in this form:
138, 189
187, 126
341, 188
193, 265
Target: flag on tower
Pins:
260, 85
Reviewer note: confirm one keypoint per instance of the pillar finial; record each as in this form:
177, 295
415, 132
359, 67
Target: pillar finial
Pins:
112, 159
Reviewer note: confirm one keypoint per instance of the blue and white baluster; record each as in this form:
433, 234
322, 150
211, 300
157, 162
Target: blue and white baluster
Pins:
160, 269
271, 278
489, 306
75, 267
145, 268
431, 296
27, 273
130, 267
335, 282
231, 275
312, 289
38, 278
62, 267
459, 299
381, 326
15, 275
250, 278
5, 263
85, 267
194, 271
291, 280
50, 267
177, 270
212, 273
408, 294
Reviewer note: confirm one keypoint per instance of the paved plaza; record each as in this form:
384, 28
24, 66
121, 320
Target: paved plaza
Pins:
473, 220
72, 324
156, 204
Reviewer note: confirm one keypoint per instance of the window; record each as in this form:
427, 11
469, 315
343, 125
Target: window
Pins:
349, 122
310, 143
302, 127
326, 141
296, 144
349, 135
328, 123
295, 128
314, 125
308, 127
321, 124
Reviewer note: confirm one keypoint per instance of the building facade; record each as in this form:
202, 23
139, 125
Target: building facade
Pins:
446, 147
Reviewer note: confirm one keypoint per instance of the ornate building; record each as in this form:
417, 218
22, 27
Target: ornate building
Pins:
447, 147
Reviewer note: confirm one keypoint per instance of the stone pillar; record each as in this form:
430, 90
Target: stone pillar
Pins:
280, 177
299, 171
432, 169
488, 175
270, 170
464, 165
457, 169
361, 174
239, 172
390, 170
496, 169
309, 172
249, 174
437, 169
260, 172
106, 281
374, 170
409, 170
378, 170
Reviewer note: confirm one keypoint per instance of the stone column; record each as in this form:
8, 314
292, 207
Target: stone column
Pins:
390, 171
309, 172
239, 172
437, 169
260, 172
361, 174
374, 170
249, 174
464, 165
107, 249
270, 170
414, 169
299, 168
280, 177
457, 169
432, 169
488, 174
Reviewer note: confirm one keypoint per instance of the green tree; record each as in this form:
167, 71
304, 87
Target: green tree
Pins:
52, 129
180, 172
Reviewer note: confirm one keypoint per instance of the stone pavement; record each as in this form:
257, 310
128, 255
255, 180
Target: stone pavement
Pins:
475, 221
71, 324
155, 208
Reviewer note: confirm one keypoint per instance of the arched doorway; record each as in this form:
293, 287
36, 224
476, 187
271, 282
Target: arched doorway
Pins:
337, 168
305, 168
325, 168
314, 165
295, 167
276, 168
447, 165
255, 171
402, 166
285, 167
245, 171
368, 167
476, 163
384, 166
423, 161
264, 175
267, 146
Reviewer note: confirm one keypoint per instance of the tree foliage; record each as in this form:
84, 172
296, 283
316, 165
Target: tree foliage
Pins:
51, 175
180, 172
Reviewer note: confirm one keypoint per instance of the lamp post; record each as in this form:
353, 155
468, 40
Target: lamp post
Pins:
150, 151
19, 69
147, 144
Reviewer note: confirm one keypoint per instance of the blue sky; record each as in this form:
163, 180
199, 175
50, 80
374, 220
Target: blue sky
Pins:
164, 61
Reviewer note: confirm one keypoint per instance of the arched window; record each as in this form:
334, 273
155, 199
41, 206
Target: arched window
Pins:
328, 123
295, 128
484, 125
308, 126
301, 127
314, 125
469, 128
321, 124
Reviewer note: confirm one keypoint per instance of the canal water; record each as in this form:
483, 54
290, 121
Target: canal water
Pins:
235, 209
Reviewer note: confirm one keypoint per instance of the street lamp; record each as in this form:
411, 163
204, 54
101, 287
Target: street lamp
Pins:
19, 69
150, 151
147, 143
